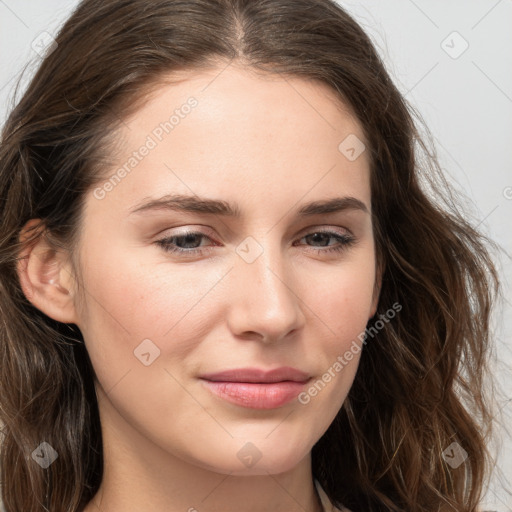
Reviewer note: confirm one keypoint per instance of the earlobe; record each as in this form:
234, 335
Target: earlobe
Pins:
46, 277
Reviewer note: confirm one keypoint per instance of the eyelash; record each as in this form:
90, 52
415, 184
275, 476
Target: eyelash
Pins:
167, 245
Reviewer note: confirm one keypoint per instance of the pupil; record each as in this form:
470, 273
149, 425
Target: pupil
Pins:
324, 235
189, 239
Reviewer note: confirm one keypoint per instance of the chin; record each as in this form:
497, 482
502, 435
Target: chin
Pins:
246, 458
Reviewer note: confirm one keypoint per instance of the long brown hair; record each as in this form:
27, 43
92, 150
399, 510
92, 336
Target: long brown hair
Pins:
420, 383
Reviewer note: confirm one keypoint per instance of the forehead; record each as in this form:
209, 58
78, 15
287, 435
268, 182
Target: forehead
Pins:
260, 102
230, 130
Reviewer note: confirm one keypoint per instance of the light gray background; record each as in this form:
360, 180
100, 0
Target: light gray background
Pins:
464, 97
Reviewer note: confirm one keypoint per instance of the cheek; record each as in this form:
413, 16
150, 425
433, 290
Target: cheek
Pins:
349, 308
128, 302
338, 308
342, 298
136, 315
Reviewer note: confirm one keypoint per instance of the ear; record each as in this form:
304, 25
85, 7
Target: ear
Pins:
45, 275
376, 289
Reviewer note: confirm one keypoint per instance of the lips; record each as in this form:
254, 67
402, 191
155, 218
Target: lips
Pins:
284, 373
255, 388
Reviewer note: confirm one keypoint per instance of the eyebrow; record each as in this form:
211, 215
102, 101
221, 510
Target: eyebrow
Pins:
195, 204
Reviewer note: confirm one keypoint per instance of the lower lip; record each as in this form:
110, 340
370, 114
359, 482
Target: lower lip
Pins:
256, 395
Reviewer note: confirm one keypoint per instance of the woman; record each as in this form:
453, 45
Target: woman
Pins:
144, 373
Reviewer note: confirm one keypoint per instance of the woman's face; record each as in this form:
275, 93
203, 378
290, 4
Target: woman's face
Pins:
269, 288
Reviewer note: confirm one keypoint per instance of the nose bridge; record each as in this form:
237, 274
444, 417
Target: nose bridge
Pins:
265, 300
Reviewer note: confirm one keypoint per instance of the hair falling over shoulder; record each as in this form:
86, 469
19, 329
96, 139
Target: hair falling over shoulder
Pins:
420, 386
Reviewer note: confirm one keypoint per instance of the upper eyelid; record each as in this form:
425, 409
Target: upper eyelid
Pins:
305, 232
206, 231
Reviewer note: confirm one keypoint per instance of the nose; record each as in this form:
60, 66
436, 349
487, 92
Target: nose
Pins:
264, 303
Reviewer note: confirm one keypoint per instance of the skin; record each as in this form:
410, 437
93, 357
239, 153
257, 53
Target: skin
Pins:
271, 145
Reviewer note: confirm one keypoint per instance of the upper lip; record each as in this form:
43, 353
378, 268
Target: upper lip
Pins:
258, 375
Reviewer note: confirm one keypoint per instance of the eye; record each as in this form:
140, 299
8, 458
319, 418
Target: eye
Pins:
344, 241
189, 243
173, 243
